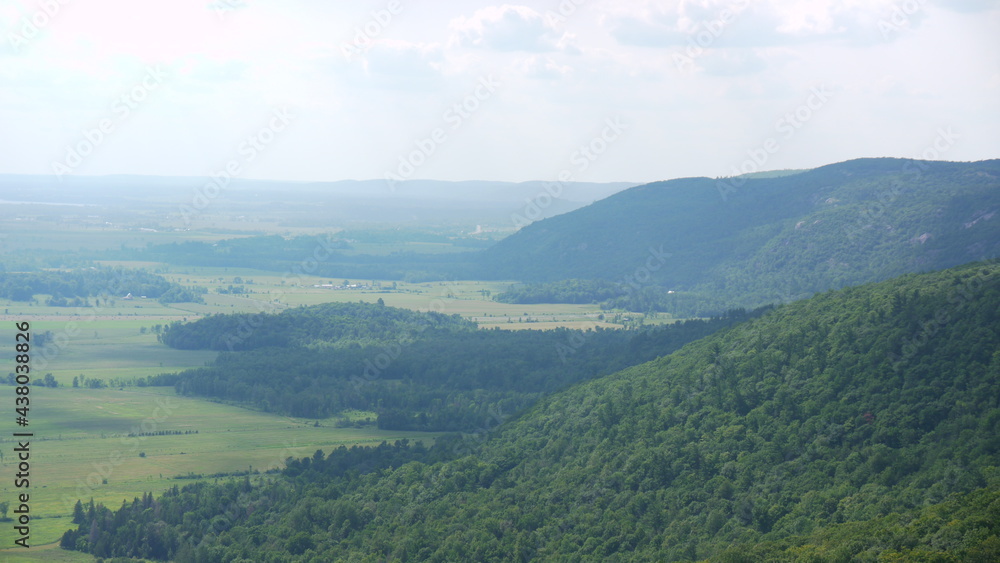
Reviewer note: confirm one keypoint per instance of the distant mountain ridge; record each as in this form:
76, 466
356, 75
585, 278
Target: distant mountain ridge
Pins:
748, 241
313, 203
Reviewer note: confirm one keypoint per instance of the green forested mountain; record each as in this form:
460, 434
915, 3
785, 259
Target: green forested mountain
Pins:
862, 424
749, 241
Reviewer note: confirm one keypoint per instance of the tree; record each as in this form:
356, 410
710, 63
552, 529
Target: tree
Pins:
299, 543
78, 514
4, 506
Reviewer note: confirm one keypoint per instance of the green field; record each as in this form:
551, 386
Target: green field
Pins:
48, 552
82, 448
90, 443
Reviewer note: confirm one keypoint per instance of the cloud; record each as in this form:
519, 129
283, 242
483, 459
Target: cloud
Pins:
971, 6
724, 24
377, 61
507, 28
403, 58
731, 62
546, 68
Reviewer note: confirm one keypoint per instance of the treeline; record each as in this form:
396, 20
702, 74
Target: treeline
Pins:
75, 287
565, 291
860, 425
330, 324
418, 371
184, 523
618, 296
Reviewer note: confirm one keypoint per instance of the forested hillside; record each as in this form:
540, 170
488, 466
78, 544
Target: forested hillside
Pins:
418, 371
861, 425
750, 241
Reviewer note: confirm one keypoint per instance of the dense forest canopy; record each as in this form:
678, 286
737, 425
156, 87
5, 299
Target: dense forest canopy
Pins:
860, 424
418, 371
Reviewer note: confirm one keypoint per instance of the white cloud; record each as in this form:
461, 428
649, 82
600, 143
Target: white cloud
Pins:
544, 67
724, 24
506, 28
936, 66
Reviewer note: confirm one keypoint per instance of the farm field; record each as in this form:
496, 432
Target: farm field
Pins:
120, 321
103, 444
116, 442
273, 292
47, 552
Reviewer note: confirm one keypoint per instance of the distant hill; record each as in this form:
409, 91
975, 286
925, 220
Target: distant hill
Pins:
859, 425
843, 408
753, 240
170, 200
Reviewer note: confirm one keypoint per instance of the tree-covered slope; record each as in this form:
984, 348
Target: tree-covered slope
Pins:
746, 242
845, 407
857, 425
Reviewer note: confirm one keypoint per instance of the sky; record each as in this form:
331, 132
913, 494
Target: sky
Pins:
569, 90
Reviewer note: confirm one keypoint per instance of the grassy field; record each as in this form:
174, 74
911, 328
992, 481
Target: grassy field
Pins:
102, 443
98, 443
49, 552
469, 299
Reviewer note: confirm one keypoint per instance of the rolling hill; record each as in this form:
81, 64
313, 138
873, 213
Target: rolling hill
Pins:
751, 241
860, 425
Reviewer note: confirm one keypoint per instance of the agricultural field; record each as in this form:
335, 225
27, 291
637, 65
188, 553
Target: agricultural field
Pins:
90, 443
118, 441
271, 291
112, 445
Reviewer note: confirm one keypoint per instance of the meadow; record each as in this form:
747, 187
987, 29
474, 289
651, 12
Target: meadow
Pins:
95, 443
113, 445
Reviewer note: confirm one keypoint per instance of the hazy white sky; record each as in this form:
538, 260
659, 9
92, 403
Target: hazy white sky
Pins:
589, 90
